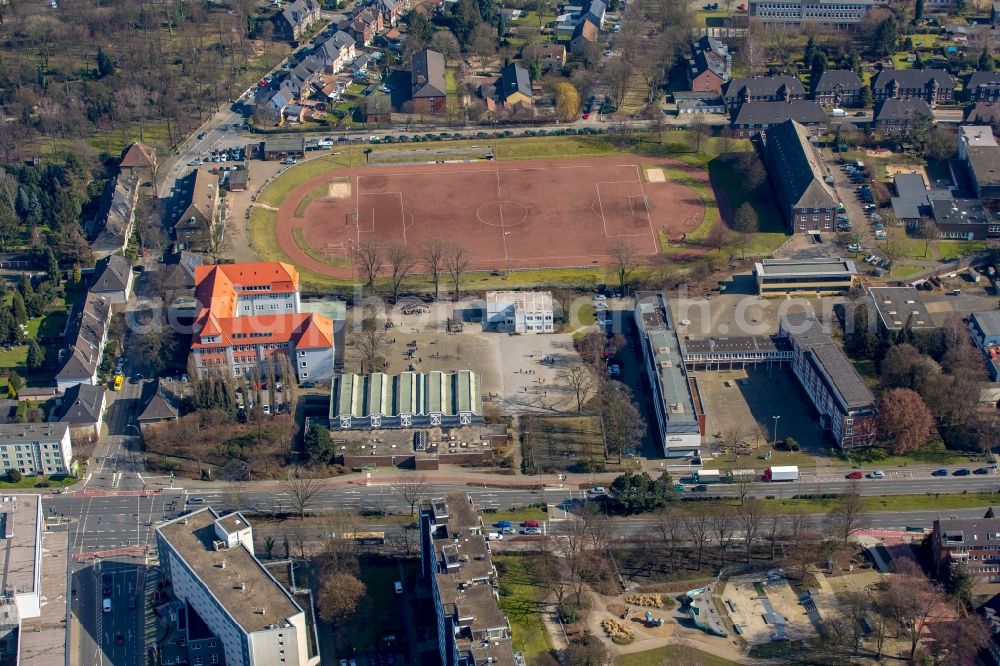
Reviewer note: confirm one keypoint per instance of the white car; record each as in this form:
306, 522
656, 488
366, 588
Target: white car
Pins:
600, 297
877, 474
597, 490
854, 247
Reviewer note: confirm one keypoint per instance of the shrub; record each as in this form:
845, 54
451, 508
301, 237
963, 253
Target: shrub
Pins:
617, 632
13, 475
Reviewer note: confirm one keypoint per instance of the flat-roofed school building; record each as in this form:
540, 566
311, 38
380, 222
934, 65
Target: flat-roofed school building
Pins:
825, 275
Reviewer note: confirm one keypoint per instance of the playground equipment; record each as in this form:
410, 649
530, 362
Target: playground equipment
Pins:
653, 621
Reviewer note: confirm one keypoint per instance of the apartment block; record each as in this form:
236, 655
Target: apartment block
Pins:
973, 542
36, 448
230, 609
845, 404
249, 315
455, 557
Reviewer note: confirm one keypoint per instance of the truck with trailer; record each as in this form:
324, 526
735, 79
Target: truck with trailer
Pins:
738, 475
708, 476
782, 473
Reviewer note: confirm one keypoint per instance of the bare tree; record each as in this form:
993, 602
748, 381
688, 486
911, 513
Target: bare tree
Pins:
456, 261
749, 521
368, 345
432, 256
368, 257
723, 528
848, 514
401, 263
580, 380
669, 527
698, 527
912, 601
303, 493
625, 259
411, 489
236, 495
699, 130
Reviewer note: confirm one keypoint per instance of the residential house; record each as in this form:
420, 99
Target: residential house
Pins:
699, 102
795, 169
113, 279
982, 87
709, 66
390, 9
89, 325
198, 220
520, 311
972, 542
755, 117
584, 36
112, 229
36, 449
249, 316
138, 162
934, 86
230, 609
983, 113
160, 407
296, 19
428, 89
514, 86
82, 409
895, 115
552, 57
832, 14
978, 150
839, 88
778, 88
455, 557
361, 64
238, 180
845, 404
271, 105
596, 12
984, 327
365, 25
337, 51
279, 149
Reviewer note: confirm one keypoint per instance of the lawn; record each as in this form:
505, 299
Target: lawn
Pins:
929, 502
516, 516
903, 272
928, 455
279, 188
673, 654
30, 481
949, 250
320, 190
521, 599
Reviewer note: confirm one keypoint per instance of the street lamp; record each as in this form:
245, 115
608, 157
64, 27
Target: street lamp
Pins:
776, 430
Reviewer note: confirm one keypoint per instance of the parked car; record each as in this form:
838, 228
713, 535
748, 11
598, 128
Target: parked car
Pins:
981, 470
940, 472
532, 530
855, 475
531, 523
877, 474
961, 472
597, 490
195, 500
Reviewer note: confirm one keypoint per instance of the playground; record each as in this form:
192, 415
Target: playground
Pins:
507, 216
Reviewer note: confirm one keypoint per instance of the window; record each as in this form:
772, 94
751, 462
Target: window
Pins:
197, 661
303, 364
213, 659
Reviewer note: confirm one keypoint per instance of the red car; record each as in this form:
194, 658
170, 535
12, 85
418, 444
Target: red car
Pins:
855, 475
586, 116
531, 523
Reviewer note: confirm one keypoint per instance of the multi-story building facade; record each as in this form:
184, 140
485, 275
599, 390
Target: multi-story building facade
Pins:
82, 360
978, 148
845, 404
680, 417
249, 314
709, 66
455, 557
934, 86
984, 327
838, 87
251, 619
22, 523
520, 311
840, 14
972, 542
36, 448
795, 169
982, 87
820, 275
778, 88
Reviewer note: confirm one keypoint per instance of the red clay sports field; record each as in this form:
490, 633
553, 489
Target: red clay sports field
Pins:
508, 215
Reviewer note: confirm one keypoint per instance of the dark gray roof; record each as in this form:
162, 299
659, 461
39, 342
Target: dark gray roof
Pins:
113, 274
297, 11
910, 201
794, 167
979, 532
912, 78
763, 86
982, 79
902, 109
901, 306
90, 324
82, 404
959, 211
774, 113
8, 409
162, 406
989, 322
837, 370
833, 80
982, 113
427, 74
338, 41
514, 79
985, 162
288, 145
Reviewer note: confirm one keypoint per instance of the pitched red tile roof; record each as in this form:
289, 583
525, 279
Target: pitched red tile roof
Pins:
138, 155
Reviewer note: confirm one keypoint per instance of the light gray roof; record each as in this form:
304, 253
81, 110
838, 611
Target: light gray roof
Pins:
339, 40
82, 404
833, 80
115, 222
427, 74
90, 324
901, 306
113, 274
774, 113
12, 432
794, 167
818, 266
